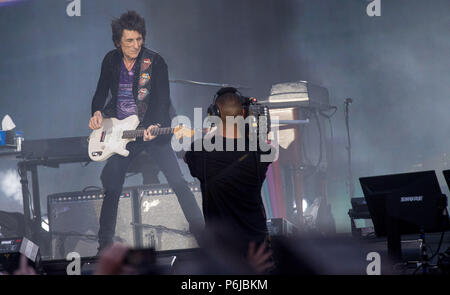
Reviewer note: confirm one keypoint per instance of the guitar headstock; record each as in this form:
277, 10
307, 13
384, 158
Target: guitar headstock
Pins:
181, 131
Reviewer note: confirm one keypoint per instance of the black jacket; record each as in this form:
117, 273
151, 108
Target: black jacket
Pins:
231, 184
156, 103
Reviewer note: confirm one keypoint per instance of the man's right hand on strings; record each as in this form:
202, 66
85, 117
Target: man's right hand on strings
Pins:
96, 120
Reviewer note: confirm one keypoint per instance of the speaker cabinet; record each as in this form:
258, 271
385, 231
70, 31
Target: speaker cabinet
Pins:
74, 222
163, 225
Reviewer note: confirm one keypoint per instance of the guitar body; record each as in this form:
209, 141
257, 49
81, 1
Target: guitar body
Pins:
107, 140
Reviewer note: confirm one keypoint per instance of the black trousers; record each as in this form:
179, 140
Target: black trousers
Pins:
113, 177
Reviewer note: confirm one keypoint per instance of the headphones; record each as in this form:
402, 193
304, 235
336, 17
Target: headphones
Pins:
213, 109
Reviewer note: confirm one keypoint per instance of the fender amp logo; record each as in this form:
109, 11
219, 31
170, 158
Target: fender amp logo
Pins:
147, 205
411, 199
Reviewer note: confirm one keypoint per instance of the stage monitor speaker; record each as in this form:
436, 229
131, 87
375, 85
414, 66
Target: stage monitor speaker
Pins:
74, 222
163, 224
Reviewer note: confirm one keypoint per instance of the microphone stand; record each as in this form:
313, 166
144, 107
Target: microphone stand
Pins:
350, 185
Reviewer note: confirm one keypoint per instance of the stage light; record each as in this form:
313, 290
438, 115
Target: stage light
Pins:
44, 224
304, 205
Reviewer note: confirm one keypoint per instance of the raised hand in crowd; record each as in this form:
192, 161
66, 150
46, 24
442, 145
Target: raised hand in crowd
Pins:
259, 259
24, 268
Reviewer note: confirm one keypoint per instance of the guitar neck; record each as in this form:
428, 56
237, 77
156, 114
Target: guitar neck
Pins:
140, 132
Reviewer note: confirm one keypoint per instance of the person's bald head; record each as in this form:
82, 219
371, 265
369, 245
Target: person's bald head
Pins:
229, 104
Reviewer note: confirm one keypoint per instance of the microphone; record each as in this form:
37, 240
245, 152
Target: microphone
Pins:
348, 101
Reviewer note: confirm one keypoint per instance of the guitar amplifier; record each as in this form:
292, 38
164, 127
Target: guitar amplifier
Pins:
163, 224
74, 222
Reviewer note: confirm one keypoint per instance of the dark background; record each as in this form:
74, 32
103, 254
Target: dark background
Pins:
395, 68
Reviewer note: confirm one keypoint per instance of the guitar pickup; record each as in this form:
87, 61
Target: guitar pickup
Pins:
102, 138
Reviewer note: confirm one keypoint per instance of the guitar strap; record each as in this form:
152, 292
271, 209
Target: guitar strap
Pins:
144, 85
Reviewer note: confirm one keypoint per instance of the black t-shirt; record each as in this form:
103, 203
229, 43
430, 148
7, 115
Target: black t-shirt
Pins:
231, 188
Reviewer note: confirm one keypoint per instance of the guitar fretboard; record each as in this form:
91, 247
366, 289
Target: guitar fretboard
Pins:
140, 132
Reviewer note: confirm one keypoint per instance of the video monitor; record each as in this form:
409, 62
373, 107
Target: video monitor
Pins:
413, 201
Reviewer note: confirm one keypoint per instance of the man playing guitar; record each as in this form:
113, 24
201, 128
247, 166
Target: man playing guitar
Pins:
135, 81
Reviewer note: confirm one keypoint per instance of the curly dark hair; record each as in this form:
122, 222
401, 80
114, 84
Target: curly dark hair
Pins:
130, 20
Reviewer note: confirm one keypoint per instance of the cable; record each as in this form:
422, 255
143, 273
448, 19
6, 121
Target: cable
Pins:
442, 238
163, 229
85, 237
320, 159
417, 268
27, 192
430, 250
320, 141
131, 174
304, 148
258, 174
350, 186
328, 116
205, 199
439, 246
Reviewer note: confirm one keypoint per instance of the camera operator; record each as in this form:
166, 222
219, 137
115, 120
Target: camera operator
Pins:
231, 180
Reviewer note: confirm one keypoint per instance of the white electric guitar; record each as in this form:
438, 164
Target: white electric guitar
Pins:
113, 136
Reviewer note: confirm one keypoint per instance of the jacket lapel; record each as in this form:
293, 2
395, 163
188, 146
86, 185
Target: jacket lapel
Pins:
116, 72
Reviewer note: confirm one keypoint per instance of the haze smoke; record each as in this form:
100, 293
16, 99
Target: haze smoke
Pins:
10, 185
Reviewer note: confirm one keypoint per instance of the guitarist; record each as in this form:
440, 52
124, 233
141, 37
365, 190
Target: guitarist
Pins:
135, 81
